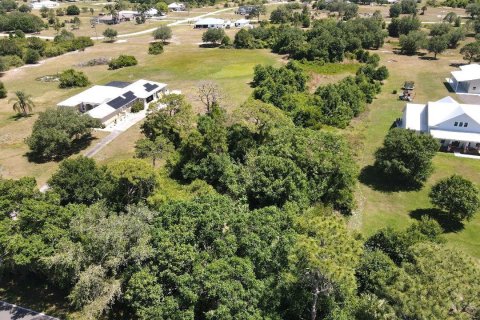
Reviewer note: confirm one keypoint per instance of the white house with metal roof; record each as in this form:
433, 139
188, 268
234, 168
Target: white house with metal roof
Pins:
450, 122
107, 101
176, 6
211, 23
466, 80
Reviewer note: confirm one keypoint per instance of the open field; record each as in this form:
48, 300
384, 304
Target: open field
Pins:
379, 208
182, 66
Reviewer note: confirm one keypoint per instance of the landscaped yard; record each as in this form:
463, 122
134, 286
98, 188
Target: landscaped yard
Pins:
377, 208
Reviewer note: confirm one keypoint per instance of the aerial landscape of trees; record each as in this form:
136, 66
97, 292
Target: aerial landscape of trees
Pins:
246, 209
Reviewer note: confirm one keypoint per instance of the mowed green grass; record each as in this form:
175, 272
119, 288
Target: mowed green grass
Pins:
379, 209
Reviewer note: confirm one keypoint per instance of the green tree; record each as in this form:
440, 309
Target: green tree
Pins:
161, 7
110, 34
31, 56
157, 149
57, 132
163, 33
406, 156
133, 180
71, 78
213, 35
78, 180
323, 262
473, 9
122, 61
174, 121
155, 48
471, 51
274, 181
412, 42
22, 103
72, 10
24, 8
244, 40
437, 44
457, 196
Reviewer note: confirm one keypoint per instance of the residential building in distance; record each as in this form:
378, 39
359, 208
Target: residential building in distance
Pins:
46, 4
108, 101
245, 10
466, 80
455, 125
211, 23
176, 6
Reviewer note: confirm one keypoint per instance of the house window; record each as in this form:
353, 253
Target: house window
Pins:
465, 124
461, 124
455, 124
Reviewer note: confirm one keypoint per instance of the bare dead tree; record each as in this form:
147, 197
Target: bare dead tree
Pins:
209, 94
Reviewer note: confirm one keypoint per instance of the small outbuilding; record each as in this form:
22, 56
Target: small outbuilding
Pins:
466, 80
241, 23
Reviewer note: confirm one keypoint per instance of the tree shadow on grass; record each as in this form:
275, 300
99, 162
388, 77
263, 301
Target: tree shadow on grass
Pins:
19, 116
209, 45
457, 65
77, 146
376, 180
427, 58
447, 223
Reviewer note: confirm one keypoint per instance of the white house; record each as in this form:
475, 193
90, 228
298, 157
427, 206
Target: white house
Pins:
466, 80
46, 4
241, 23
176, 6
452, 123
211, 23
108, 101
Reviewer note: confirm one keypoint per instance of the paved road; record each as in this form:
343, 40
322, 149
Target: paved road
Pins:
13, 312
103, 142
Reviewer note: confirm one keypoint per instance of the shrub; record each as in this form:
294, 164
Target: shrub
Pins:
155, 48
24, 8
137, 106
73, 10
54, 50
31, 56
13, 61
71, 78
122, 61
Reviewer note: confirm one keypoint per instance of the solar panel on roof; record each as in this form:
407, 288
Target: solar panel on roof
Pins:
120, 101
149, 87
118, 84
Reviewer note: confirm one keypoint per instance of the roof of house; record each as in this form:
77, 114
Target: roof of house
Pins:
209, 21
176, 5
467, 72
95, 95
242, 21
112, 96
118, 84
427, 118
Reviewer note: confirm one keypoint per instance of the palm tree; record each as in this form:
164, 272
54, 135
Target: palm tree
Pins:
23, 103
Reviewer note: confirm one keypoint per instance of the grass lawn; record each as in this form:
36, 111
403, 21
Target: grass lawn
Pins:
182, 66
377, 208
